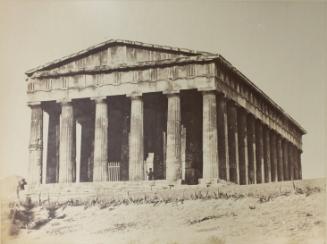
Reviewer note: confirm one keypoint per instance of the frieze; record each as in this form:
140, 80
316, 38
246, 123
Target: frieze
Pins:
80, 81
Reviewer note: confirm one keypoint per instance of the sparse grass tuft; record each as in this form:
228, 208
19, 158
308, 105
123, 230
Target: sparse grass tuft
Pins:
196, 221
215, 240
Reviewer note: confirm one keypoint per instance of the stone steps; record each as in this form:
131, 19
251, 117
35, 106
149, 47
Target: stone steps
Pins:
124, 190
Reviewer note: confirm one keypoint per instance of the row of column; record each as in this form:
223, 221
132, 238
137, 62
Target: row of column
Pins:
236, 146
248, 151
66, 143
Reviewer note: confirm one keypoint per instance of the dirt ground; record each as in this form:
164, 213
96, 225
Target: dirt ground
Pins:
291, 219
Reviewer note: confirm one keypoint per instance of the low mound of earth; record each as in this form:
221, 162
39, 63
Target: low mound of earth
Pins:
290, 217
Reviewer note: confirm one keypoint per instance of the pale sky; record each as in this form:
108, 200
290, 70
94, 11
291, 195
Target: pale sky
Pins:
280, 46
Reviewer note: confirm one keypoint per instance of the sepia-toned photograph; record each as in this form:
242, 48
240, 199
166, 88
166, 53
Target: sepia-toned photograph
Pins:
163, 122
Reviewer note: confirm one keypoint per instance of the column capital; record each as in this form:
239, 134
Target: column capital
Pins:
222, 94
64, 101
171, 92
207, 90
135, 95
100, 99
34, 104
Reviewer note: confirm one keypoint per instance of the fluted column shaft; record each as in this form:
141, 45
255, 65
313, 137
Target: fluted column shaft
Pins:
36, 145
173, 154
74, 150
273, 157
285, 160
280, 159
210, 136
66, 151
243, 146
297, 163
87, 147
136, 154
290, 162
233, 143
300, 166
260, 152
53, 145
223, 156
252, 150
100, 166
267, 154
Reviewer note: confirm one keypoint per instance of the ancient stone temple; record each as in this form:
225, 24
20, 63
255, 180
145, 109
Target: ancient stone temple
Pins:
184, 115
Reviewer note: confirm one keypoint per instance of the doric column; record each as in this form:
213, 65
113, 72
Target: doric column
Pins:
273, 157
290, 161
36, 144
267, 158
87, 147
66, 151
259, 147
210, 137
173, 154
295, 164
53, 144
74, 150
233, 143
125, 145
280, 158
252, 150
223, 156
136, 154
299, 165
285, 159
243, 146
100, 165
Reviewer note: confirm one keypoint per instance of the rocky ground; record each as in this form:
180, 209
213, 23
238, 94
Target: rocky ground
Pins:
290, 218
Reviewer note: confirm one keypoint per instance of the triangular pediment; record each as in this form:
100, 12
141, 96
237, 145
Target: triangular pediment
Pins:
114, 53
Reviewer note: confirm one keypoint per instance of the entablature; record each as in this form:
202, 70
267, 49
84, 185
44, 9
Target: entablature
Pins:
122, 80
254, 101
196, 72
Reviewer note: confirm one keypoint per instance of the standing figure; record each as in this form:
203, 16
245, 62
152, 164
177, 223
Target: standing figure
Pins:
150, 174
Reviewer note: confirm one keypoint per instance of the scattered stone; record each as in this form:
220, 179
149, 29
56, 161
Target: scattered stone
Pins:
252, 207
